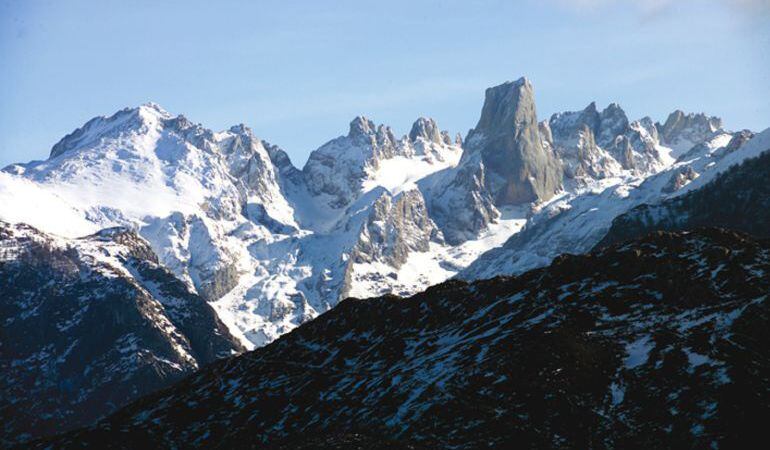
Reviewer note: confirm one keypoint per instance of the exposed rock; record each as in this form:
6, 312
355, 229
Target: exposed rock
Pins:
681, 131
613, 122
573, 138
459, 202
396, 226
426, 129
576, 225
598, 145
738, 140
546, 136
281, 161
426, 140
679, 179
338, 167
624, 152
519, 169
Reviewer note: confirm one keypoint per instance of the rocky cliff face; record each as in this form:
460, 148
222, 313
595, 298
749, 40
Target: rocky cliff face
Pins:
598, 350
519, 169
681, 131
598, 145
459, 201
395, 227
90, 325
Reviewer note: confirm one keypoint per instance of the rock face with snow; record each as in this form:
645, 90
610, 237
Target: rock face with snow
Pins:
738, 199
396, 226
339, 167
682, 131
578, 221
573, 135
519, 169
271, 246
91, 324
599, 145
459, 201
597, 350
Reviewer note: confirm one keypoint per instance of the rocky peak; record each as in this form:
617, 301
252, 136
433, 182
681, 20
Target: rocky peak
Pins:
506, 106
241, 129
426, 129
520, 170
339, 167
372, 140
689, 128
612, 123
581, 140
283, 163
361, 126
568, 125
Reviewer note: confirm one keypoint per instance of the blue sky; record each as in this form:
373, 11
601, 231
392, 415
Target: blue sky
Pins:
297, 72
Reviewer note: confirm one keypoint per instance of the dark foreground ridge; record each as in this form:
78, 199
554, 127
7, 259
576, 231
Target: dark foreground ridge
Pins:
659, 343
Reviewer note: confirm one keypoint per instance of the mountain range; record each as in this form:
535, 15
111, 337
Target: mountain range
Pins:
147, 246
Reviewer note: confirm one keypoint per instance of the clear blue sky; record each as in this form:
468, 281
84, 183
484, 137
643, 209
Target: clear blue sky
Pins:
298, 71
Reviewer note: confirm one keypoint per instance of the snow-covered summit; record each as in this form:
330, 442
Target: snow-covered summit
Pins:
146, 116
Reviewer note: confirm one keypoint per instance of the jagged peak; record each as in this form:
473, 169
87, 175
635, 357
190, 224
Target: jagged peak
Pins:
680, 123
613, 109
425, 128
511, 86
241, 129
360, 125
679, 115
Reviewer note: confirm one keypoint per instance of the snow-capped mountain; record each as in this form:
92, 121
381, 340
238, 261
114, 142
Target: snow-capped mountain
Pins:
577, 221
90, 324
271, 246
658, 343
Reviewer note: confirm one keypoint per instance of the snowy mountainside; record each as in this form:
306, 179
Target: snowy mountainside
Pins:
576, 222
89, 325
737, 198
271, 246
